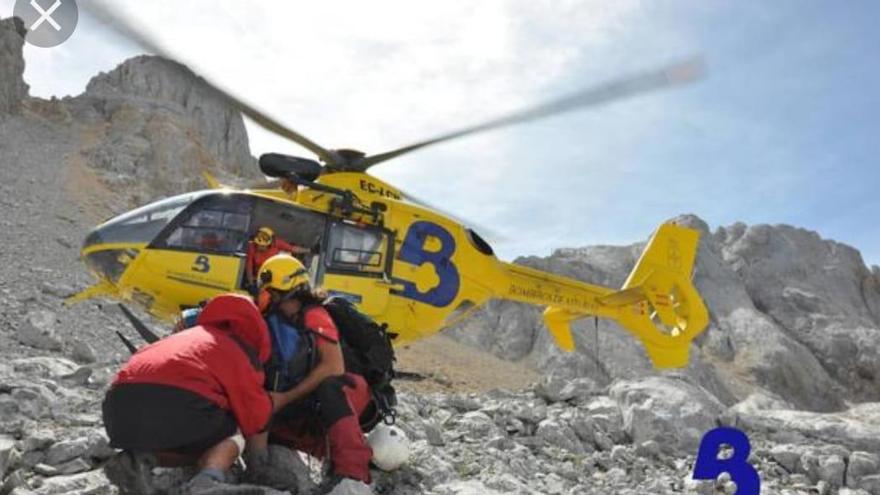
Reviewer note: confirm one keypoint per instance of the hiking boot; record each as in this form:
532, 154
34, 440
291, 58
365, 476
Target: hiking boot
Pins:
131, 472
341, 485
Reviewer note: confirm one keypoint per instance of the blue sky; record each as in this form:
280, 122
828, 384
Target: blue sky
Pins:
782, 130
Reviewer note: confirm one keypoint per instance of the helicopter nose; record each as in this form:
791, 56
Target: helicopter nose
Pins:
107, 260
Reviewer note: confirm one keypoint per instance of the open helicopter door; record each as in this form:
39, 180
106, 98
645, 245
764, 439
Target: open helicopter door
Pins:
356, 264
294, 225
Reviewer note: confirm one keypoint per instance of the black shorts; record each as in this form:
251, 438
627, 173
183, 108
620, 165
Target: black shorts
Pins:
145, 417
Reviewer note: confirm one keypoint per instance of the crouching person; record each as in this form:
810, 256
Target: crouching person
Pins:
318, 404
191, 398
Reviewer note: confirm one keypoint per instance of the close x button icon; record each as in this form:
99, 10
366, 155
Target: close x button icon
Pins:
45, 15
48, 22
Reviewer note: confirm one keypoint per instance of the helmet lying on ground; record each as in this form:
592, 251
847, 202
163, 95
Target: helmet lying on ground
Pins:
391, 448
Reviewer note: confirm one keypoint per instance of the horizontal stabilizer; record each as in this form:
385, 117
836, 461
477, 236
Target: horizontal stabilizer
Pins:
558, 322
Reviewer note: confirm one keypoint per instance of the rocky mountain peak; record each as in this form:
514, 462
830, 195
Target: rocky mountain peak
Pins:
692, 221
13, 89
155, 83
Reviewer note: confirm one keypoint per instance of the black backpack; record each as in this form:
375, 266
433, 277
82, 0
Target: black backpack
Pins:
367, 350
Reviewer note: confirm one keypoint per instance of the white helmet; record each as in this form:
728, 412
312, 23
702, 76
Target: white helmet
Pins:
390, 447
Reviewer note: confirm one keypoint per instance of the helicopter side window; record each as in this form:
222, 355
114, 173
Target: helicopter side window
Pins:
352, 248
142, 224
218, 224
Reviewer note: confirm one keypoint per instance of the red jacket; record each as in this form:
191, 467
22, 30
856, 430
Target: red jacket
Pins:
220, 359
255, 258
318, 320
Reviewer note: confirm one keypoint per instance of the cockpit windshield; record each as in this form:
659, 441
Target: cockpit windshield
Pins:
143, 224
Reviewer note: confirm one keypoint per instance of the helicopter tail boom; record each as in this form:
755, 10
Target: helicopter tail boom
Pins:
657, 303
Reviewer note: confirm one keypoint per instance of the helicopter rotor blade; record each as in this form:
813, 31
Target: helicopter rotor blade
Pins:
103, 13
671, 75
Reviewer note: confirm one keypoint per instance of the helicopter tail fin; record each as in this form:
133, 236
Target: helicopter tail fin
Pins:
657, 303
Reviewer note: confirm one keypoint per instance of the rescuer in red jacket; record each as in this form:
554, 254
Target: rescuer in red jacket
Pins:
193, 397
263, 246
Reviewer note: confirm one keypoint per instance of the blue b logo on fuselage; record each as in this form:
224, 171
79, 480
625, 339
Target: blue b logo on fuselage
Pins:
413, 252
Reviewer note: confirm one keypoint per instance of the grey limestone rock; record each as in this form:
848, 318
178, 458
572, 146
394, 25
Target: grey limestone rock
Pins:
664, 409
67, 450
832, 470
13, 90
82, 352
9, 455
154, 81
45, 366
559, 435
554, 388
38, 331
87, 482
788, 456
860, 465
870, 484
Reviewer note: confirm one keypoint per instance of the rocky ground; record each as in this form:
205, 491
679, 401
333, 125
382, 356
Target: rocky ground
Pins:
792, 356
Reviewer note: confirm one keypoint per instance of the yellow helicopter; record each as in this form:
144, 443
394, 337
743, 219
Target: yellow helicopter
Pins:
399, 260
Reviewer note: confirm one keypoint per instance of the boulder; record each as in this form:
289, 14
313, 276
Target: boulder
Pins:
554, 388
788, 456
38, 440
832, 470
67, 450
88, 482
9, 455
82, 352
671, 411
559, 435
33, 401
861, 464
477, 424
38, 331
870, 484
44, 366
